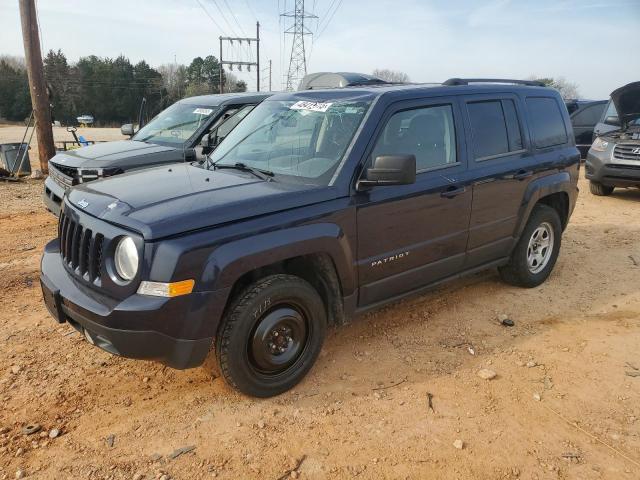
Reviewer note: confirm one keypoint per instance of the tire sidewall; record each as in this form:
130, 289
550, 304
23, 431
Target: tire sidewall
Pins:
240, 323
540, 214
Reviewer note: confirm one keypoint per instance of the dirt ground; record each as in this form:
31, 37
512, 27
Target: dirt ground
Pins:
565, 403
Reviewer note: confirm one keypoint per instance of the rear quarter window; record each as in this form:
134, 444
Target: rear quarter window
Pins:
547, 122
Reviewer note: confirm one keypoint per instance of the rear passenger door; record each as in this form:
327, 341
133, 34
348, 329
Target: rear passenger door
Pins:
413, 235
501, 167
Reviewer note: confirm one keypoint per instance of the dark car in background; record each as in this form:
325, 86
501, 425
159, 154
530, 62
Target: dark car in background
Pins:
320, 205
614, 158
608, 121
186, 131
584, 115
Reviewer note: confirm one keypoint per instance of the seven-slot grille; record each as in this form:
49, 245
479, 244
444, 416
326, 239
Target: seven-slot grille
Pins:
80, 248
627, 151
68, 171
63, 175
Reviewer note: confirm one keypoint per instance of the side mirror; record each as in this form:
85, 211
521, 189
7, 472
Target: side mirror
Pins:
612, 120
127, 129
390, 170
205, 141
190, 154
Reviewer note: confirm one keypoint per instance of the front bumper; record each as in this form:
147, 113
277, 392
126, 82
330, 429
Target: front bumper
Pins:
52, 196
601, 168
177, 332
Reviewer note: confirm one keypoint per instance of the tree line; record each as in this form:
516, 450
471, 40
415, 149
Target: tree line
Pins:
111, 90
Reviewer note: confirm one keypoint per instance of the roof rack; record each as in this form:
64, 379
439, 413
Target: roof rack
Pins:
467, 81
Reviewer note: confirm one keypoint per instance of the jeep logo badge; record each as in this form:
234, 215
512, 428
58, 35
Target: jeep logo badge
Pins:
636, 151
83, 203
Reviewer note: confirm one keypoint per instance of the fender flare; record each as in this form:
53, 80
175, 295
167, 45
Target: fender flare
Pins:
559, 182
228, 262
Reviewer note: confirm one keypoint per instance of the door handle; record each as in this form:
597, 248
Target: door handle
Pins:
522, 174
452, 191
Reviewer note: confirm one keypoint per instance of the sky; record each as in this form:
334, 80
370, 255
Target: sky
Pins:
592, 43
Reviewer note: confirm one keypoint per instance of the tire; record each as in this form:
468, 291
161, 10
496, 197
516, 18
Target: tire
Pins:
599, 189
530, 263
271, 335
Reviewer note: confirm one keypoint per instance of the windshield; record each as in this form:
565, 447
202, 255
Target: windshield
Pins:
175, 125
298, 141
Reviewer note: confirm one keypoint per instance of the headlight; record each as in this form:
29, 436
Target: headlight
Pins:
126, 258
600, 145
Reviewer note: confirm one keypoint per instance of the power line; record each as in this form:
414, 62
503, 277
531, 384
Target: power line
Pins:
210, 17
224, 17
235, 18
329, 20
255, 17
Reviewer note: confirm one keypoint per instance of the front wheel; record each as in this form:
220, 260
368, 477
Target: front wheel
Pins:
600, 190
271, 335
535, 254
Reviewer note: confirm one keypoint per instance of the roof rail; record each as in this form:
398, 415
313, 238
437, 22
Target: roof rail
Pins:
467, 81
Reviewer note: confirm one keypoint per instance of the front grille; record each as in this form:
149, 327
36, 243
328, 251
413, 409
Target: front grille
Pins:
65, 170
627, 151
80, 248
618, 166
64, 176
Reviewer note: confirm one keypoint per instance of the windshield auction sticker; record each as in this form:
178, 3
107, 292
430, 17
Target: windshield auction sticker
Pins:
311, 106
203, 111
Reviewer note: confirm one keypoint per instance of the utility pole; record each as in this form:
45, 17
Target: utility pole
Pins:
240, 64
257, 55
298, 59
37, 85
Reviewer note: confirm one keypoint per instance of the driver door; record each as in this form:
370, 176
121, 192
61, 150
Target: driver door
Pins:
410, 236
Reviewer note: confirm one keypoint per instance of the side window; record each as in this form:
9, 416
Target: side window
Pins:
588, 117
571, 107
513, 125
546, 122
610, 112
428, 133
234, 119
495, 127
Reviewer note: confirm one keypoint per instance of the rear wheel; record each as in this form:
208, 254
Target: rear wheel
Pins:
271, 335
599, 189
535, 255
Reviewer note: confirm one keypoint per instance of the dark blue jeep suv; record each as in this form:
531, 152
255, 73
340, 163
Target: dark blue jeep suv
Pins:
320, 205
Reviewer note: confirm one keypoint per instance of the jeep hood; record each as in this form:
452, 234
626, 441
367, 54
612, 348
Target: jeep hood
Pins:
108, 153
179, 198
627, 102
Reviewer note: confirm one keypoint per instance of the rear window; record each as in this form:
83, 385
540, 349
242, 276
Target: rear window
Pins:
495, 127
546, 122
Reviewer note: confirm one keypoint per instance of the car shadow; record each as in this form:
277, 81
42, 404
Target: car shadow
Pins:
630, 194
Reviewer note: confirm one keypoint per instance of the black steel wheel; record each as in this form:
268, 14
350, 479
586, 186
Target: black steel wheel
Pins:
271, 335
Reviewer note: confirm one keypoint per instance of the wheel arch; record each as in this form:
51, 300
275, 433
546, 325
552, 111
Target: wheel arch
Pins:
317, 253
551, 190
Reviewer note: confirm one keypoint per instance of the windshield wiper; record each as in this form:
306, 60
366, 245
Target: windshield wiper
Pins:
258, 172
